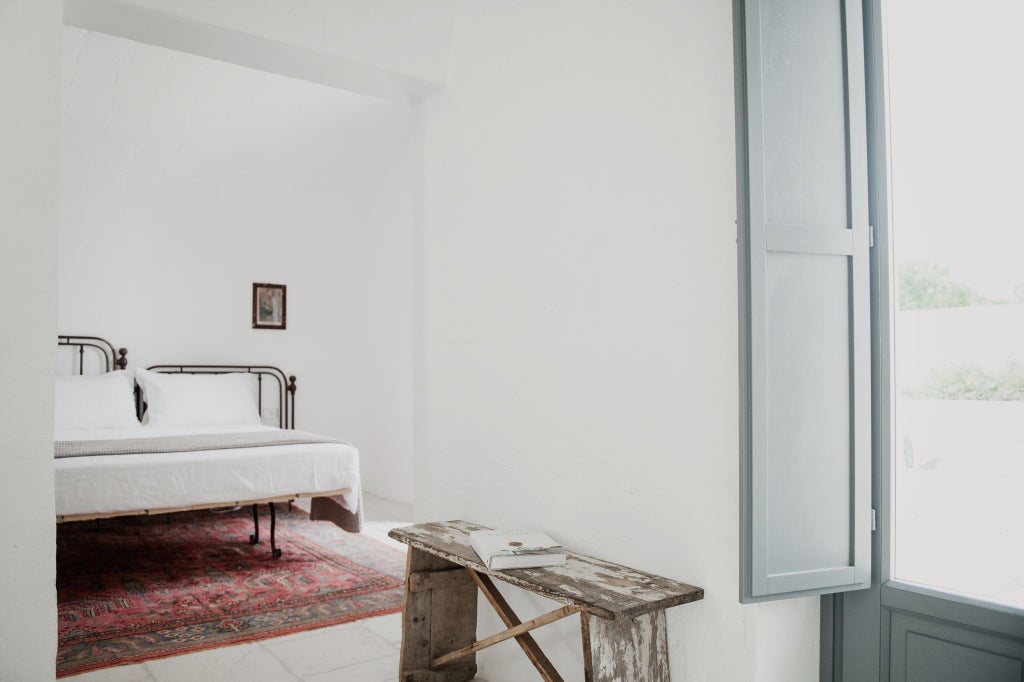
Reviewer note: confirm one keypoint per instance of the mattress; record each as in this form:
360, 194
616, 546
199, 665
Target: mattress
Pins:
123, 483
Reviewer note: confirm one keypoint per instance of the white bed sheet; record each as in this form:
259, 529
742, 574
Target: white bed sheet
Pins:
121, 483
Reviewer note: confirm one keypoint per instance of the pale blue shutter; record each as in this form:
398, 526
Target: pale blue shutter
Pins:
805, 315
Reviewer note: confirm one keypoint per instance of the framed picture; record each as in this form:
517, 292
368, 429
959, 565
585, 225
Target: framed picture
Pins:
268, 306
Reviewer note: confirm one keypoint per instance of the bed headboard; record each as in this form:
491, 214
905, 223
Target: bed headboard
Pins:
284, 386
111, 358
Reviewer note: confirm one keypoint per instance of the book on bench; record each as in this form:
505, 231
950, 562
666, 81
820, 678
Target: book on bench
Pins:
500, 549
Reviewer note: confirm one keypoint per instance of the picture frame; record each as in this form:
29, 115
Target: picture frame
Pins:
269, 306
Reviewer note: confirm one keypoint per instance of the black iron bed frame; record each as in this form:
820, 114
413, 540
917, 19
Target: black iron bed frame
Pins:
285, 386
285, 389
106, 349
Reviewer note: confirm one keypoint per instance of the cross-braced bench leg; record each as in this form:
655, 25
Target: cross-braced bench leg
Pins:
439, 622
439, 617
508, 617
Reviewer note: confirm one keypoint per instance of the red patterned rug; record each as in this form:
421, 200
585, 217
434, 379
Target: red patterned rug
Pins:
137, 588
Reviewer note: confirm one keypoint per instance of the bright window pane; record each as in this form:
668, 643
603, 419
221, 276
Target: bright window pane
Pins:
957, 188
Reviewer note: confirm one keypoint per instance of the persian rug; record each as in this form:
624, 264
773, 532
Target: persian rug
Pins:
137, 588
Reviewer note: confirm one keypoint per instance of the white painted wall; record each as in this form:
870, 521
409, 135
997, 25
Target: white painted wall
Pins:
403, 36
29, 155
576, 364
575, 291
184, 180
155, 27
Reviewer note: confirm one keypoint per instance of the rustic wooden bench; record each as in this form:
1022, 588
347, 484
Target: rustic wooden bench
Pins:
622, 611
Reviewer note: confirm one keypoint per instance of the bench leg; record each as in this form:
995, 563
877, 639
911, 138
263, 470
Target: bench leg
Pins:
630, 649
510, 619
439, 617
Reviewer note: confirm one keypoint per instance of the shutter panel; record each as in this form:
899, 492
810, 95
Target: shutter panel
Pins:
805, 312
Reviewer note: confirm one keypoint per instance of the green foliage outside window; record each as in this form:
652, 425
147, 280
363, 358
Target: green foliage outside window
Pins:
971, 383
926, 285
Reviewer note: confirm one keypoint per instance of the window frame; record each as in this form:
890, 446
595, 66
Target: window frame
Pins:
856, 628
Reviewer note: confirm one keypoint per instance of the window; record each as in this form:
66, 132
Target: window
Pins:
946, 277
958, 324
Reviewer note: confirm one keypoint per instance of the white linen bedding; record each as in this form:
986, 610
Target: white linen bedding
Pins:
124, 483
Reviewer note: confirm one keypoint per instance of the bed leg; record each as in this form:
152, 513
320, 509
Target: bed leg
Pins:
255, 537
274, 551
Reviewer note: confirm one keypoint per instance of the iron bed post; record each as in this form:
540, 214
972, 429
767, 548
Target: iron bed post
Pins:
290, 422
274, 551
259, 392
255, 537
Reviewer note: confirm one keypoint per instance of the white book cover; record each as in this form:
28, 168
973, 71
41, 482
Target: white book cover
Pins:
500, 549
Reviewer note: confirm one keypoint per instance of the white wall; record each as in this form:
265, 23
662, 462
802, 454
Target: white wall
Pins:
29, 154
575, 289
173, 31
184, 180
403, 36
576, 361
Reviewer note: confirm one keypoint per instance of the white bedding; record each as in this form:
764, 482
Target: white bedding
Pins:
122, 483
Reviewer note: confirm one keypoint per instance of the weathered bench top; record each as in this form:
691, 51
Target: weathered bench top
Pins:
598, 587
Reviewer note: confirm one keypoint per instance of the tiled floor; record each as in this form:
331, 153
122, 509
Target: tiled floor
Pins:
363, 651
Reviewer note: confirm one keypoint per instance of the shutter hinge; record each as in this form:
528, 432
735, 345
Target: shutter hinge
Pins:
871, 236
874, 522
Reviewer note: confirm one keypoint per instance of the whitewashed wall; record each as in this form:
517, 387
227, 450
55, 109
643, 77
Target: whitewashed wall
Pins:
403, 36
575, 291
576, 329
184, 180
29, 155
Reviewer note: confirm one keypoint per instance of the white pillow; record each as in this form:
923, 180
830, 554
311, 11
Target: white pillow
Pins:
199, 399
94, 401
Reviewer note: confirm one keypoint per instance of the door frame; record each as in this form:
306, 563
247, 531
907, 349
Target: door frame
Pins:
856, 627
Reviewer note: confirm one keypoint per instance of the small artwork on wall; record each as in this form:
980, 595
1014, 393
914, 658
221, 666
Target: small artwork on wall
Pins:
268, 306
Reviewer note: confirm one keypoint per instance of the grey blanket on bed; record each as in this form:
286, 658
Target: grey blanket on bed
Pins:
191, 443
